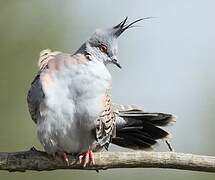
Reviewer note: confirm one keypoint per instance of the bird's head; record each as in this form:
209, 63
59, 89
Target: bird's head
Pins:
102, 45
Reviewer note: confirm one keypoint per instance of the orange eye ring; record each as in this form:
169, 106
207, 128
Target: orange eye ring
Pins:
103, 48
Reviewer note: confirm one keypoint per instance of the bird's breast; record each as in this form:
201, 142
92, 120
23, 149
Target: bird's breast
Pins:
73, 100
80, 85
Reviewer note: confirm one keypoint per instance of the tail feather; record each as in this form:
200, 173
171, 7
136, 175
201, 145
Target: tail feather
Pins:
154, 131
158, 119
138, 133
132, 142
143, 137
137, 129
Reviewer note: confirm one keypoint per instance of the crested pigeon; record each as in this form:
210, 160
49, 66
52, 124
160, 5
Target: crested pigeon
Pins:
70, 102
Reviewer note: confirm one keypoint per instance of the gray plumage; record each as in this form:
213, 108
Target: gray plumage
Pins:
70, 101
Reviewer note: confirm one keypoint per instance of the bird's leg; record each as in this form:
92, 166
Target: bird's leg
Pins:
64, 156
87, 158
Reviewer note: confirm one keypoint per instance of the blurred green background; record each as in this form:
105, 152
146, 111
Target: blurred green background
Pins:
168, 66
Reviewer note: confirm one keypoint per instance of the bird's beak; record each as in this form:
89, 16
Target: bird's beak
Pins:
115, 61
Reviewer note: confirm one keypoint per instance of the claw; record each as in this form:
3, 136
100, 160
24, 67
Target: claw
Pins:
92, 157
87, 158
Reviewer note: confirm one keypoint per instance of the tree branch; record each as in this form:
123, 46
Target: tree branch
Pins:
40, 161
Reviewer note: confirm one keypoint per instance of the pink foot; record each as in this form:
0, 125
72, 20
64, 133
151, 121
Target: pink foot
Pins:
87, 158
65, 158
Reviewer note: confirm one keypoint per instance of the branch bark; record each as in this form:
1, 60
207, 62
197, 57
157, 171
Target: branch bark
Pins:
40, 161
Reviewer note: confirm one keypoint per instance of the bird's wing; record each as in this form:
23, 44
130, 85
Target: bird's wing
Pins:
106, 123
35, 97
35, 94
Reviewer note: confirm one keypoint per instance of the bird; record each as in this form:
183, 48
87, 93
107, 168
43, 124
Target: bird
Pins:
70, 102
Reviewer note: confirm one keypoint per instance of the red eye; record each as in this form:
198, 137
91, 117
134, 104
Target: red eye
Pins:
103, 48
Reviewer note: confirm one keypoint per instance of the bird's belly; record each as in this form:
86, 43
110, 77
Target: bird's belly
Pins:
71, 136
71, 107
69, 130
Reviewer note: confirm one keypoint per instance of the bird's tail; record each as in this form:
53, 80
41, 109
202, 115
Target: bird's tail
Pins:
137, 129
